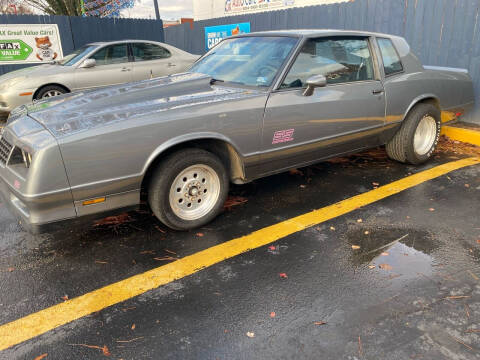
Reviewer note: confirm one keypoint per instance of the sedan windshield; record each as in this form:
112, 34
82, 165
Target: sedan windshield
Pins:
77, 55
252, 61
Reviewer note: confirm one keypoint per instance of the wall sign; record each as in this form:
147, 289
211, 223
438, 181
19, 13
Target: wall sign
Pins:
235, 6
29, 43
215, 34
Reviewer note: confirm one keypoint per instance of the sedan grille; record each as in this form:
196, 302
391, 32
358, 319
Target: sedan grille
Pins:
5, 150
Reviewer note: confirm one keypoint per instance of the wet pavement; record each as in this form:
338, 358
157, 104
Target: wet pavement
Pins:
397, 279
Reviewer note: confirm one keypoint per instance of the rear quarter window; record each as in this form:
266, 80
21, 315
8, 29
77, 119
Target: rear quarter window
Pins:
391, 61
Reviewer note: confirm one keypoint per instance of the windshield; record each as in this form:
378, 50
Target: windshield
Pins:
77, 55
250, 61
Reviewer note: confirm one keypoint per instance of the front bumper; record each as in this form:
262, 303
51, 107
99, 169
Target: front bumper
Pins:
35, 214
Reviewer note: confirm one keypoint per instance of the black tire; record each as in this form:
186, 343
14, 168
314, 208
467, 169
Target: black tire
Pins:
164, 177
401, 147
49, 88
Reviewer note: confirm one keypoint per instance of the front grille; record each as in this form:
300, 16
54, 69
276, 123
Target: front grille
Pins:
5, 149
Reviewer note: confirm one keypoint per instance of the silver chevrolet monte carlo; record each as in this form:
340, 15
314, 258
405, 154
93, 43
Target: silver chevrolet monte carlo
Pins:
255, 105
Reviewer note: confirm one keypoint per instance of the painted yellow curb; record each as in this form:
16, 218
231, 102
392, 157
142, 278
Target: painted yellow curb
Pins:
463, 135
39, 323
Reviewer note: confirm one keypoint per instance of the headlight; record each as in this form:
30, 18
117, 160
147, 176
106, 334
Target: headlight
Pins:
20, 156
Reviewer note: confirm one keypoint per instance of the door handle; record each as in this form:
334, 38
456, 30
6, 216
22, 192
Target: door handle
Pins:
125, 69
171, 65
377, 91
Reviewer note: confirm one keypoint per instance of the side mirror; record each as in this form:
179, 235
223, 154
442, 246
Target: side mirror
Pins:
88, 63
314, 82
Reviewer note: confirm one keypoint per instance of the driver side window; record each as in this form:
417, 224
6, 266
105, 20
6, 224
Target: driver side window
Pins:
339, 59
113, 54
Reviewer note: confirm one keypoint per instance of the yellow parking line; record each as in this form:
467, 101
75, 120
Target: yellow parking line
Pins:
40, 322
463, 135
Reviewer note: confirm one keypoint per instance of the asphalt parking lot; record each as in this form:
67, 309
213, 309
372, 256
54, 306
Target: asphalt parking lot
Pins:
381, 271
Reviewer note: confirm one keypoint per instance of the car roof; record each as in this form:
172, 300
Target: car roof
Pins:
102, 43
314, 33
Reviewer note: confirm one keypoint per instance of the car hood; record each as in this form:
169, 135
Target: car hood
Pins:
70, 114
39, 70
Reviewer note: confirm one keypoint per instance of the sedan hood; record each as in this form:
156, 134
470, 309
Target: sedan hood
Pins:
69, 114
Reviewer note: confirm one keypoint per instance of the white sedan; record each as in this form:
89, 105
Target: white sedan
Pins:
92, 66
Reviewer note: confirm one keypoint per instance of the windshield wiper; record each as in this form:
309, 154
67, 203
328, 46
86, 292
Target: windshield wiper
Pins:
213, 81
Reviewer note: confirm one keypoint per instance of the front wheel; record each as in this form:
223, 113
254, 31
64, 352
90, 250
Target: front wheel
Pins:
418, 136
50, 91
188, 189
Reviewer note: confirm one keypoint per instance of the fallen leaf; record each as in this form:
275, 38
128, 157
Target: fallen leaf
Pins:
10, 269
65, 297
40, 357
165, 258
114, 220
355, 247
234, 201
272, 314
101, 262
200, 234
467, 185
367, 232
159, 229
359, 220
147, 252
105, 351
295, 172
371, 266
332, 228
385, 267
283, 275
478, 242
250, 334
457, 297
272, 247
320, 323
133, 327
375, 184
384, 254
303, 186
431, 209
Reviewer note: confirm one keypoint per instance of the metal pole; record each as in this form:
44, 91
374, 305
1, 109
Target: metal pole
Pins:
157, 12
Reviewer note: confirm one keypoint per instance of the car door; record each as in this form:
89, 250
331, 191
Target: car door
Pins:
346, 115
112, 67
152, 60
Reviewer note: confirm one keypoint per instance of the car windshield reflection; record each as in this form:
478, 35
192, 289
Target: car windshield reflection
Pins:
252, 61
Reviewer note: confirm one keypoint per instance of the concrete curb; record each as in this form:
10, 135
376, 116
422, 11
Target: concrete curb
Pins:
460, 134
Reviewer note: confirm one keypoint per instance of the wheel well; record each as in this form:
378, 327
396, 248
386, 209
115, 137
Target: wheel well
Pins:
226, 152
51, 84
430, 100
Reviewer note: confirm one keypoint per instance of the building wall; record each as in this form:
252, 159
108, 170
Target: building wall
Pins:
209, 9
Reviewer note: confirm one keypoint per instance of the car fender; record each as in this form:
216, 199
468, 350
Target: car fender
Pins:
419, 99
186, 138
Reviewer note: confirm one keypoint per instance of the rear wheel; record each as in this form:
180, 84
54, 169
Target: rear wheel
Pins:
418, 136
188, 189
50, 91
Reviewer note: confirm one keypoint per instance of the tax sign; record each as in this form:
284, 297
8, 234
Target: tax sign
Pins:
30, 43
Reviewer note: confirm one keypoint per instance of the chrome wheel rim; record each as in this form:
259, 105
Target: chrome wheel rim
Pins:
194, 192
425, 135
51, 93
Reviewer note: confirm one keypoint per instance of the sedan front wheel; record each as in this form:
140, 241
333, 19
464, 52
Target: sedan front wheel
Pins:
188, 189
